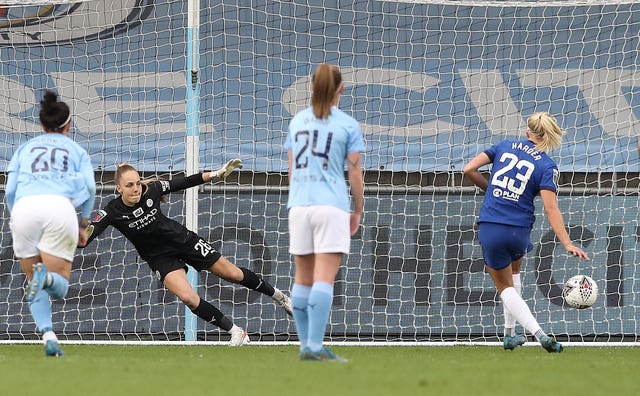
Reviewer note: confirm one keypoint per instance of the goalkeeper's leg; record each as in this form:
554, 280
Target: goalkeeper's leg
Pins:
249, 279
177, 283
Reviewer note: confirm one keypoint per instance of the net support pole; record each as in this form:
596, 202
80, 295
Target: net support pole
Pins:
192, 148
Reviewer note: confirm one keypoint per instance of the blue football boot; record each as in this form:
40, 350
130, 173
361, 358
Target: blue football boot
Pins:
511, 342
37, 281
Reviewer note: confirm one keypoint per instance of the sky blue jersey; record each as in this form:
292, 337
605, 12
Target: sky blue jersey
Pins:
518, 174
52, 163
320, 148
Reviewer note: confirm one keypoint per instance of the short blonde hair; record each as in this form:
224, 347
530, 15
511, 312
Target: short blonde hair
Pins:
122, 168
546, 130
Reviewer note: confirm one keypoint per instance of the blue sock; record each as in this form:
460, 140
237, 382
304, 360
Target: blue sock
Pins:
299, 298
58, 287
319, 308
40, 308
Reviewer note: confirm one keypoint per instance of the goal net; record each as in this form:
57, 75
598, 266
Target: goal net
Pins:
432, 83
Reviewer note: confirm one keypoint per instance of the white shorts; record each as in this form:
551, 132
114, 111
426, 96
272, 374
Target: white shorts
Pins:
44, 223
318, 229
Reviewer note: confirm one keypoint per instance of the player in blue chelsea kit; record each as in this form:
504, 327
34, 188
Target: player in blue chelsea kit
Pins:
320, 141
521, 170
48, 177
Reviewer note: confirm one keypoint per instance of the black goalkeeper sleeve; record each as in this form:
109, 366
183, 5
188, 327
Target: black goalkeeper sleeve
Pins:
181, 183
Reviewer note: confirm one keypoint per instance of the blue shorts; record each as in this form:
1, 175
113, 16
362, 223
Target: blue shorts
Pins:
503, 244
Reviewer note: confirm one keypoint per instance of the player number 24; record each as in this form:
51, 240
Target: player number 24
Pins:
302, 158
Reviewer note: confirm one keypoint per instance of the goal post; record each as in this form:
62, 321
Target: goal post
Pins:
432, 83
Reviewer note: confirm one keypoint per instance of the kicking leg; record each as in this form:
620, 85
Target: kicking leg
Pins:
519, 309
511, 339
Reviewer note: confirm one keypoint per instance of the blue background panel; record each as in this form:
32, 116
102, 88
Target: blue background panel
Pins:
471, 77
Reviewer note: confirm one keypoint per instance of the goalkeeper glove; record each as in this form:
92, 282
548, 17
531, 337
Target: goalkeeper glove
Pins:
227, 168
90, 229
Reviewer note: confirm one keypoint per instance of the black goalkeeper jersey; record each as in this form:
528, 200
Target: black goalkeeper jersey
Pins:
152, 233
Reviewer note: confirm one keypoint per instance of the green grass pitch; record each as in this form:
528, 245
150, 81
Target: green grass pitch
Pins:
275, 370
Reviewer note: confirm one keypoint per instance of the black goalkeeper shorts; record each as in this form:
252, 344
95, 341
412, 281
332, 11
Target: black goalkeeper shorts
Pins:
201, 256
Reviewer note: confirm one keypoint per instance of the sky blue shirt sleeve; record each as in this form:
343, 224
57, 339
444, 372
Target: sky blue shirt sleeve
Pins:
287, 142
88, 176
356, 141
12, 181
10, 193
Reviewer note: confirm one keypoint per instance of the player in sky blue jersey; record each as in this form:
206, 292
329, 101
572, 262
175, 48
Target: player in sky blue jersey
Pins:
320, 141
521, 170
48, 177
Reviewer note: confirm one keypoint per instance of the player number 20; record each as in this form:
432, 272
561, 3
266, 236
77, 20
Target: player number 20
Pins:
57, 159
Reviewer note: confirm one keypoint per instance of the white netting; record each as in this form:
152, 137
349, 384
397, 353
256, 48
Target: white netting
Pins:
432, 84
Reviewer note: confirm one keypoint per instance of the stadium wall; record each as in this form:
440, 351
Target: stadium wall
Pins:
415, 272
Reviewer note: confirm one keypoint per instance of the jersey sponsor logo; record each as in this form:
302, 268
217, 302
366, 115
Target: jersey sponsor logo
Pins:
49, 23
145, 220
505, 194
99, 216
138, 212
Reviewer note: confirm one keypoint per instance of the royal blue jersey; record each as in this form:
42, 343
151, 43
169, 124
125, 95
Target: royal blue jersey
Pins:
52, 163
518, 173
320, 148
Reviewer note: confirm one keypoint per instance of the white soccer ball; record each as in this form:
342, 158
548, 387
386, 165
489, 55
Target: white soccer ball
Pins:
580, 292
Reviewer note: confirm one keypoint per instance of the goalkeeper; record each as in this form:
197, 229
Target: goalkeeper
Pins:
167, 246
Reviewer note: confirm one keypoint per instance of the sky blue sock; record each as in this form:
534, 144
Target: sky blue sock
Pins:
319, 304
299, 299
40, 308
58, 287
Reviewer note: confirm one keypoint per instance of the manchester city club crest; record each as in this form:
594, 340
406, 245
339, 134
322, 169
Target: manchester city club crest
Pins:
52, 23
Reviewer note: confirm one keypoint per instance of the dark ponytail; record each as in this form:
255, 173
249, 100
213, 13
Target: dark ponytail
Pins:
54, 115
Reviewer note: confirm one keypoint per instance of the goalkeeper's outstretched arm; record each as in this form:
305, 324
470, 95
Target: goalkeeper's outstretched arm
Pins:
182, 183
223, 172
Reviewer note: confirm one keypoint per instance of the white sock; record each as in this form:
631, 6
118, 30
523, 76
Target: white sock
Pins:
49, 335
538, 334
519, 309
517, 283
509, 319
